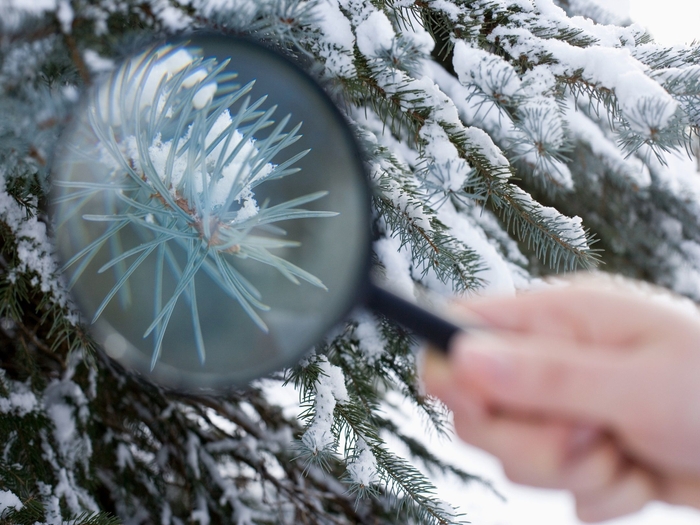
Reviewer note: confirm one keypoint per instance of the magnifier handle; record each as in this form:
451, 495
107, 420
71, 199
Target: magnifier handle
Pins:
420, 321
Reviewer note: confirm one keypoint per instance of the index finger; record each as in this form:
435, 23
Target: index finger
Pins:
586, 310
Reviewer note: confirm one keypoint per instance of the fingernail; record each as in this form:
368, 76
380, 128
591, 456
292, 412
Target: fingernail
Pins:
434, 370
433, 363
483, 355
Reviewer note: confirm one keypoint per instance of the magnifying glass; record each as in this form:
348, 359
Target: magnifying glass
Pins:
212, 213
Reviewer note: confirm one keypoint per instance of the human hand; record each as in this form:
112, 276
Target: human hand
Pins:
594, 388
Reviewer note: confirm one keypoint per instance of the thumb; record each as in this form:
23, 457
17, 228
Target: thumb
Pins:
547, 376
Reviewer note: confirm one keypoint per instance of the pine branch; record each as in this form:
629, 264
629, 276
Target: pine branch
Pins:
658, 57
413, 492
524, 216
432, 463
160, 456
400, 109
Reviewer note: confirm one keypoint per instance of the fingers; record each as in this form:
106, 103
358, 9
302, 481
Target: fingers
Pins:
568, 362
528, 373
541, 453
629, 493
546, 452
680, 491
551, 454
583, 311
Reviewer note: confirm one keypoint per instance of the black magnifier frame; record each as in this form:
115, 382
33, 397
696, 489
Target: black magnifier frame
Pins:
334, 172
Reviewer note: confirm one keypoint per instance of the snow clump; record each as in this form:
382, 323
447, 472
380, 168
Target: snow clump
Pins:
330, 389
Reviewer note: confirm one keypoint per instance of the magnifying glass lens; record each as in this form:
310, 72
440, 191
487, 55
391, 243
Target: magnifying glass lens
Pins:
211, 211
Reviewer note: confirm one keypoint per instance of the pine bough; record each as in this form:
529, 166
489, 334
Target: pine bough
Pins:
497, 132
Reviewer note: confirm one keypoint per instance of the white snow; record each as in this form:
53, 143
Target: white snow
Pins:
211, 8
336, 46
64, 14
605, 11
437, 143
174, 61
124, 457
492, 74
397, 263
484, 120
547, 8
64, 425
330, 389
541, 120
65, 404
13, 11
236, 170
414, 31
144, 74
34, 247
180, 60
249, 207
21, 400
334, 25
193, 445
170, 16
497, 274
485, 145
363, 469
71, 93
371, 341
204, 95
570, 229
333, 379
51, 503
411, 208
166, 514
612, 68
584, 129
213, 186
679, 176
441, 107
66, 489
538, 81
201, 513
542, 127
375, 35
446, 7
8, 500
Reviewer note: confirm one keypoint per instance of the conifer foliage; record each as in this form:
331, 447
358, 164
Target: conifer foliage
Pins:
506, 139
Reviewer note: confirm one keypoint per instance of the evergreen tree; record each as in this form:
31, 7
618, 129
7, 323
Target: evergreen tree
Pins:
506, 140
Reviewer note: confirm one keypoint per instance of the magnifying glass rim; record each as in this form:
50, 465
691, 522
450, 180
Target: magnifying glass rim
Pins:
185, 381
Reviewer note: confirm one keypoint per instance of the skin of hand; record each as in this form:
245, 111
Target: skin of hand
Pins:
590, 387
